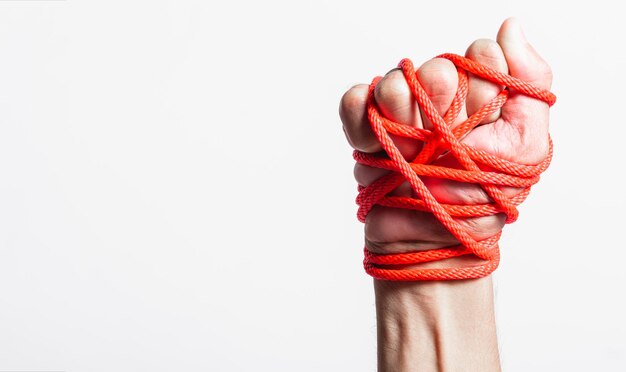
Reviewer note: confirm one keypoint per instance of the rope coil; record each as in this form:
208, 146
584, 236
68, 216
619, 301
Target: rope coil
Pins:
445, 139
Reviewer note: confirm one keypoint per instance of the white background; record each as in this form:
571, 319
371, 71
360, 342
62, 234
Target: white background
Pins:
176, 193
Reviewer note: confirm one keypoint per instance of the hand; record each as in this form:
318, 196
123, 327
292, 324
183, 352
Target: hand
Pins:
518, 132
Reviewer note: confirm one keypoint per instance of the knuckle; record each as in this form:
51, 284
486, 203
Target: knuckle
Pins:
391, 87
438, 76
353, 99
488, 52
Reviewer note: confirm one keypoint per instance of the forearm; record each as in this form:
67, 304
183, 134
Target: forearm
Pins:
436, 326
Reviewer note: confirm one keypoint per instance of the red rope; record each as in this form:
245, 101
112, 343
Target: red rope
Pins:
437, 141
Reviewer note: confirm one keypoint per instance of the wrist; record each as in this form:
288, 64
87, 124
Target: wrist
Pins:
436, 326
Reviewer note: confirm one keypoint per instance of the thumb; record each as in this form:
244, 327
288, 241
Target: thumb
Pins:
524, 62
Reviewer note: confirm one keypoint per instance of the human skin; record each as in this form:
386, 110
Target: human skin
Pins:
448, 325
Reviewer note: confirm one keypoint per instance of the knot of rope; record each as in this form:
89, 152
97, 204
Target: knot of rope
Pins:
445, 139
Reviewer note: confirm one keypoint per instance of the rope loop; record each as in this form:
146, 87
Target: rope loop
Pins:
438, 141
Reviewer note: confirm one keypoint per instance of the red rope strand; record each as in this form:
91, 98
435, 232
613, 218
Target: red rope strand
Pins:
442, 138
